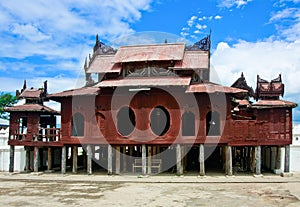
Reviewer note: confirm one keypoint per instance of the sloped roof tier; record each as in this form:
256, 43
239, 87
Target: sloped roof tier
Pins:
274, 104
31, 93
104, 64
213, 88
84, 91
141, 53
31, 108
150, 81
193, 60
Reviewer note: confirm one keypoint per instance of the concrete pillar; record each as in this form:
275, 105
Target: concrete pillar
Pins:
178, 160
27, 161
144, 165
89, 159
149, 159
75, 157
118, 160
49, 166
287, 159
201, 160
282, 158
63, 159
258, 160
228, 151
278, 156
11, 158
109, 159
36, 159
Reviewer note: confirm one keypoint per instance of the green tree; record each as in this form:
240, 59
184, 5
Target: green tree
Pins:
6, 100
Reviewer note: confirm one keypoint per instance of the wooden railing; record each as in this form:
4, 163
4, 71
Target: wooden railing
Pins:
44, 135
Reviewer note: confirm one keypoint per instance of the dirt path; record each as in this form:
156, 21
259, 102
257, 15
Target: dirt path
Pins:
77, 193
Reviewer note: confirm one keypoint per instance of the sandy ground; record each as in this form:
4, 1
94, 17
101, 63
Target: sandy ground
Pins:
83, 190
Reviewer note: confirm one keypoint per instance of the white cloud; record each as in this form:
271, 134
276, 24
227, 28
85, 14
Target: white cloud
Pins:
191, 21
233, 3
201, 27
218, 17
30, 32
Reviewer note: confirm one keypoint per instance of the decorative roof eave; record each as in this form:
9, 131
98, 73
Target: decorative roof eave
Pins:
32, 108
214, 88
263, 104
85, 91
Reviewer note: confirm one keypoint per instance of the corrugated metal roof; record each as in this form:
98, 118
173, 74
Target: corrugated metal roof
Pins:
76, 92
32, 108
31, 93
193, 60
213, 88
140, 53
148, 81
104, 64
273, 103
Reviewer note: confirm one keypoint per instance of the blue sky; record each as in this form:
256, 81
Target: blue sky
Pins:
49, 40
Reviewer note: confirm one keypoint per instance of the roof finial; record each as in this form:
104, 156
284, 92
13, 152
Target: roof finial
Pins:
85, 64
166, 41
97, 38
24, 86
242, 75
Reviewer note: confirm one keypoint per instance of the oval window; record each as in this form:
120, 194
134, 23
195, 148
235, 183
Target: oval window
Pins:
160, 120
125, 121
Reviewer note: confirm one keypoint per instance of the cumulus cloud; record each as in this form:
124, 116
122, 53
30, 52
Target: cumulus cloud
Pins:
233, 3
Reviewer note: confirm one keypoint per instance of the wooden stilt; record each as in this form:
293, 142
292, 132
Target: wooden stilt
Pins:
258, 160
149, 159
229, 170
154, 151
11, 158
118, 159
287, 159
109, 159
49, 166
124, 157
201, 160
63, 159
178, 160
253, 161
89, 159
282, 158
75, 158
27, 162
144, 165
36, 158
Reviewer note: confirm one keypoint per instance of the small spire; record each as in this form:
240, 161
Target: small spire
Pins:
85, 64
166, 41
242, 75
45, 87
24, 86
97, 38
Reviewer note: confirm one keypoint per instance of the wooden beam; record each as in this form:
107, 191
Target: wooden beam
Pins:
144, 166
201, 160
75, 158
63, 159
49, 166
109, 159
36, 158
11, 158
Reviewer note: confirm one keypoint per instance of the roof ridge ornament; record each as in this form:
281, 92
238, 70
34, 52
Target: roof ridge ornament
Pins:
203, 44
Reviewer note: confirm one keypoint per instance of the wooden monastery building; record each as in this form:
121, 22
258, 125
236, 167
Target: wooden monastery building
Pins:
150, 109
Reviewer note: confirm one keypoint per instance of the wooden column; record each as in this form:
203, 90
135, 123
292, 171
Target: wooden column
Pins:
149, 159
75, 157
36, 159
273, 158
118, 160
109, 159
124, 157
258, 160
287, 159
89, 159
144, 156
27, 161
282, 158
63, 159
201, 160
154, 151
228, 151
278, 156
49, 166
11, 158
178, 160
